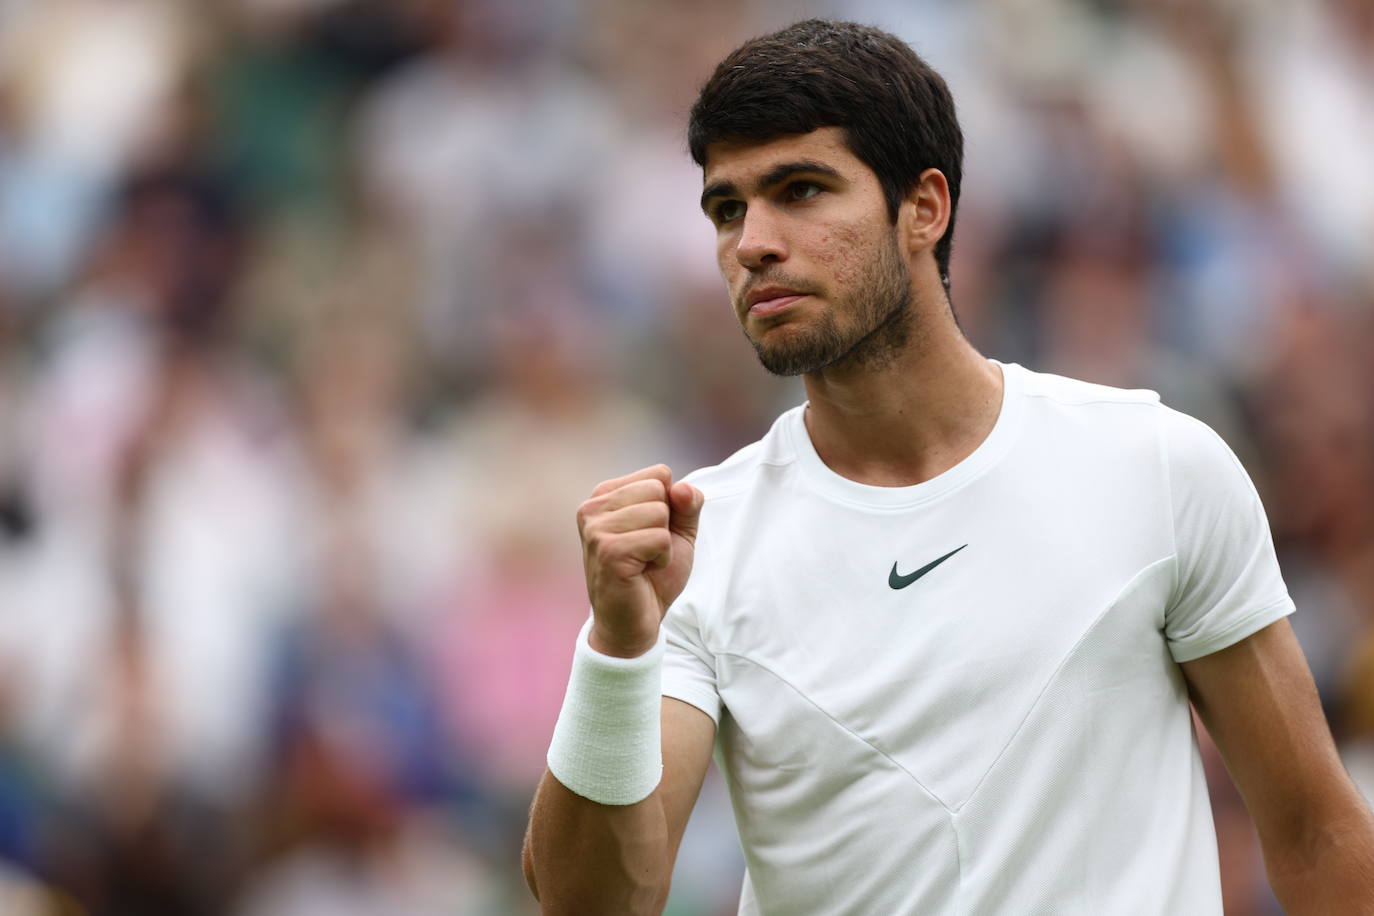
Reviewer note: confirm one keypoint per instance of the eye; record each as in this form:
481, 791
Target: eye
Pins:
802, 190
729, 211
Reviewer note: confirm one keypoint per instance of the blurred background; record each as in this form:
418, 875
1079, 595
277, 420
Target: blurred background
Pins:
318, 318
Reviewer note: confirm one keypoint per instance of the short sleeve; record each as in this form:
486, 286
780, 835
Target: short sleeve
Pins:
689, 670
1227, 583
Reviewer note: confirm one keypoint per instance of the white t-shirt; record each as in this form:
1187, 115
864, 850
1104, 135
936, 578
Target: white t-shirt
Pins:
1007, 732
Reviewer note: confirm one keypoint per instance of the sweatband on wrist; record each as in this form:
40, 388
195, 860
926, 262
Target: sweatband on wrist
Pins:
606, 744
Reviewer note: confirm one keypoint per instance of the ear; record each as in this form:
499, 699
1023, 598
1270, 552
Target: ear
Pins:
925, 211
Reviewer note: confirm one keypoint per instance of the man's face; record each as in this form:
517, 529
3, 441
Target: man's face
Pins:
809, 256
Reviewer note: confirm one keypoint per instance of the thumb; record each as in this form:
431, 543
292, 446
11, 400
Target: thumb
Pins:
685, 501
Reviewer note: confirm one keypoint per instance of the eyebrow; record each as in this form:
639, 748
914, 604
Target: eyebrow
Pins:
775, 176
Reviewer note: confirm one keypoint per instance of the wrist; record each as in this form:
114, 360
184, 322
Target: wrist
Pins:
620, 645
606, 746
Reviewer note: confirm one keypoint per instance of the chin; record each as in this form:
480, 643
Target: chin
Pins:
801, 357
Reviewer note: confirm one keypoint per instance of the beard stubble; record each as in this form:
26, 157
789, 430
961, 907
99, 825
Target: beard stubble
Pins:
879, 329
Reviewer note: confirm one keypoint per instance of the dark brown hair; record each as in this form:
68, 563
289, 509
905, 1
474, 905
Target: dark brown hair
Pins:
896, 112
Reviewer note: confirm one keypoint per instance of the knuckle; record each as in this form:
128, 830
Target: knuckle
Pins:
589, 511
594, 538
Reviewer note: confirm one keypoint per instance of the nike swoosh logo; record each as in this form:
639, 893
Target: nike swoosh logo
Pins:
897, 581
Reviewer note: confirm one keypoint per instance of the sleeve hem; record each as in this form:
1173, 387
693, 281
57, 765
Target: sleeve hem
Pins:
704, 700
1246, 626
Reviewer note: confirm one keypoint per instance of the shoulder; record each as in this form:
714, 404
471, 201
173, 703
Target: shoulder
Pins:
1067, 414
1125, 421
740, 472
1071, 392
1133, 421
1193, 448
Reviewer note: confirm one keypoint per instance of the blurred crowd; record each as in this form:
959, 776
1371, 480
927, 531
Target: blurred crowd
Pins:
318, 318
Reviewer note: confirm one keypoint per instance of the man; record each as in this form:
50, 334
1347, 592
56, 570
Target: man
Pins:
943, 623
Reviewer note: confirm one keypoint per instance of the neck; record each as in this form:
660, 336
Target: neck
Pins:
910, 416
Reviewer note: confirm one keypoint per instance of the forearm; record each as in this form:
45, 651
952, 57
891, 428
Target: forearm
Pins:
598, 838
604, 830
1330, 871
582, 857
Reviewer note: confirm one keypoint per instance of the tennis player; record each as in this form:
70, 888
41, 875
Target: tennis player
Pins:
941, 625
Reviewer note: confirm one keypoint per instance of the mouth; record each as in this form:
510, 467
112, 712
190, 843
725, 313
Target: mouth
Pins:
771, 300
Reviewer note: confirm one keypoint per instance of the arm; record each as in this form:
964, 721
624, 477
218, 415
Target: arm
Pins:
582, 857
598, 844
1260, 705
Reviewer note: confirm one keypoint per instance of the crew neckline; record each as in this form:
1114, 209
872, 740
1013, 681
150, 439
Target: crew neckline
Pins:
981, 459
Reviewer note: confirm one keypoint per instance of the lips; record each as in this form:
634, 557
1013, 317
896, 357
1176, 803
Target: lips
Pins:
769, 300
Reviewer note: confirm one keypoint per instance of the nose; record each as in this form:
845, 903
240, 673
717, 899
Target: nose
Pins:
761, 239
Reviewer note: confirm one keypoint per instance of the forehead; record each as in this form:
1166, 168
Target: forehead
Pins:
737, 161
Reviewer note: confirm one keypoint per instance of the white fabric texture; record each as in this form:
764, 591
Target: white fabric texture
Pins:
606, 745
1009, 731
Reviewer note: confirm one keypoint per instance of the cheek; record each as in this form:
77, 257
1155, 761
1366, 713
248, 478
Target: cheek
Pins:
840, 250
732, 272
727, 263
725, 253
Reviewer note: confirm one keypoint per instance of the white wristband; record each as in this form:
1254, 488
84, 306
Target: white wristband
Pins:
606, 744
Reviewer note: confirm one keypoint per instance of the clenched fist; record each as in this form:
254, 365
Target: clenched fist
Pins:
638, 534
